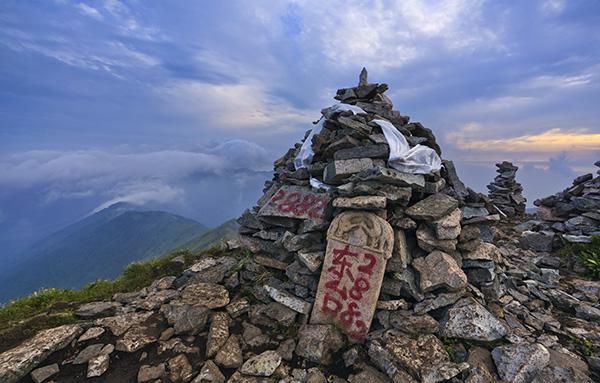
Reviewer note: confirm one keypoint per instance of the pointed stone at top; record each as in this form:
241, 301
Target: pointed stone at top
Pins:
362, 78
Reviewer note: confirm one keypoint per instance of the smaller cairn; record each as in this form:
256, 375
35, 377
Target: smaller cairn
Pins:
505, 192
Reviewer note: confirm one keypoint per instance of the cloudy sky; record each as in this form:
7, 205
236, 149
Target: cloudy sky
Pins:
184, 105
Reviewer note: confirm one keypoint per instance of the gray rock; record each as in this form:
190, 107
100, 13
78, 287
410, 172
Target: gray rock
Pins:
218, 333
209, 373
448, 227
391, 176
288, 300
338, 170
537, 241
230, 355
97, 309
360, 202
311, 260
317, 343
561, 375
520, 363
369, 151
185, 318
439, 270
433, 207
91, 333
41, 374
468, 319
427, 241
121, 323
88, 353
414, 324
263, 364
210, 295
98, 365
136, 338
587, 312
151, 373
180, 369
19, 361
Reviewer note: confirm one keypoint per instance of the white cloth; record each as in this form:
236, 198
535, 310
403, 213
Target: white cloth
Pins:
419, 159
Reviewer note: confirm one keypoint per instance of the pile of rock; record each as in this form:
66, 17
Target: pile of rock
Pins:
358, 273
573, 214
505, 192
423, 231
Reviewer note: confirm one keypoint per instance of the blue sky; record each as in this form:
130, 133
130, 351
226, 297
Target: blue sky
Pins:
184, 105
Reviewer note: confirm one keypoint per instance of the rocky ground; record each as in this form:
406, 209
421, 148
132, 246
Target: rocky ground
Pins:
207, 325
366, 260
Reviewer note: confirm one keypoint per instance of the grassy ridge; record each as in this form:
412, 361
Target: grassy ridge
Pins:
47, 308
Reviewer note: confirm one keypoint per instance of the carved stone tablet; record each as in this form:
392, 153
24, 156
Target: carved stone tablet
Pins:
296, 202
358, 247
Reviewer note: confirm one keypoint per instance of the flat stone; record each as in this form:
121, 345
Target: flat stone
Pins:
218, 333
536, 241
180, 369
360, 203
587, 312
338, 170
439, 270
296, 202
136, 338
270, 262
552, 374
414, 324
151, 373
185, 318
473, 212
454, 180
88, 353
392, 305
237, 307
392, 176
358, 246
209, 373
97, 309
41, 374
98, 365
91, 333
468, 319
369, 151
210, 295
263, 364
486, 219
317, 343
288, 300
520, 363
401, 256
311, 260
427, 241
432, 208
230, 355
483, 252
19, 361
448, 227
441, 300
119, 324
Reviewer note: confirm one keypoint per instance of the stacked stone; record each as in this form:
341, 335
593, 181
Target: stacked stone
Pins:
573, 213
505, 191
436, 246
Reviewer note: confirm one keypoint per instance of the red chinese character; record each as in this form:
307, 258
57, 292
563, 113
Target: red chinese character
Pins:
327, 308
368, 268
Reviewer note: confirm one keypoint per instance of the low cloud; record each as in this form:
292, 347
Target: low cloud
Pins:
139, 178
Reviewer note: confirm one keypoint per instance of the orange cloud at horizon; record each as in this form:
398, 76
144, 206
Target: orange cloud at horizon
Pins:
553, 140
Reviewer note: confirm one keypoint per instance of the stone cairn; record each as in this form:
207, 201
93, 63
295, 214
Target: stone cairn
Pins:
573, 213
357, 273
376, 241
505, 191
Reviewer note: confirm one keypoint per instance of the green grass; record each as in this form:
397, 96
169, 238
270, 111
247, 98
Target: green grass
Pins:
50, 307
585, 346
588, 254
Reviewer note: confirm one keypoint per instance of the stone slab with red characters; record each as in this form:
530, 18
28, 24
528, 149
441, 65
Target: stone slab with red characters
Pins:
358, 247
296, 202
